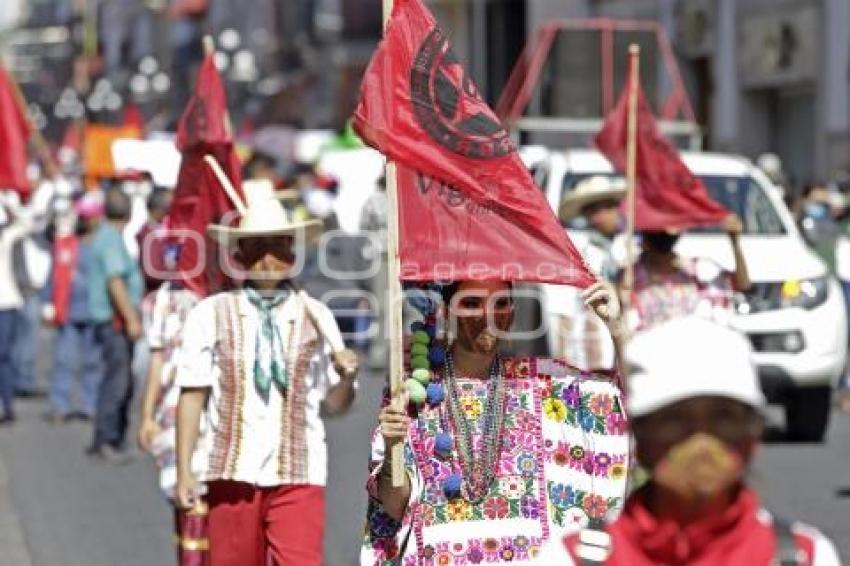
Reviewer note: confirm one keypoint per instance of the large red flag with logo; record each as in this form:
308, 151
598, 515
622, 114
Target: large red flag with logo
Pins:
468, 208
668, 194
199, 199
14, 139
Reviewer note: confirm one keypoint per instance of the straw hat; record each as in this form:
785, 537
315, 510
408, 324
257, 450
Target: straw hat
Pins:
587, 191
263, 215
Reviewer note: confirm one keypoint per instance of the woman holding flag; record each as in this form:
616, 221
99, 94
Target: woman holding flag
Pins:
502, 454
498, 455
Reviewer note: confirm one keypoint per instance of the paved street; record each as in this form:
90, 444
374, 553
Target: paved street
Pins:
75, 512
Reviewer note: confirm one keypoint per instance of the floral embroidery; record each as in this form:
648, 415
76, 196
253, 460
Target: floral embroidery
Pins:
459, 509
600, 413
496, 507
601, 405
551, 400
571, 505
471, 406
555, 409
512, 487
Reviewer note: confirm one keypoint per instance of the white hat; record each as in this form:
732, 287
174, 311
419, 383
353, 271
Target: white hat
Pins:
264, 216
587, 191
689, 357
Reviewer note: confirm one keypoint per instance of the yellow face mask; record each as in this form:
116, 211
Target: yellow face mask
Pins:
699, 468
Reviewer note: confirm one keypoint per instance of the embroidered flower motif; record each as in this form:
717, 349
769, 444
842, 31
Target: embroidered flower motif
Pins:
555, 409
459, 510
615, 423
496, 507
601, 404
561, 495
507, 553
595, 505
561, 455
600, 463
521, 542
428, 551
571, 396
525, 420
617, 471
491, 545
525, 464
443, 558
471, 406
529, 507
577, 452
475, 556
586, 419
511, 487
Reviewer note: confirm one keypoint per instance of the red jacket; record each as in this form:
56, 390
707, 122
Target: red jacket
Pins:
742, 536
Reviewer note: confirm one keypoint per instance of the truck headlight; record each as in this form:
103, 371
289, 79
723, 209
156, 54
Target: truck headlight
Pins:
804, 293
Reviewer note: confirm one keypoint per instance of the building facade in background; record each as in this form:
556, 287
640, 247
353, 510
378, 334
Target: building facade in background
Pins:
762, 75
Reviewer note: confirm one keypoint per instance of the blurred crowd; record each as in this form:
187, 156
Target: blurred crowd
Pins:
81, 266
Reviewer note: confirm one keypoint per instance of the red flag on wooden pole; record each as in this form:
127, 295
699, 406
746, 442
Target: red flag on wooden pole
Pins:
14, 139
468, 208
199, 199
667, 194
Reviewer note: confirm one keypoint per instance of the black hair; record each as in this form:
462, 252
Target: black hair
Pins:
118, 205
159, 200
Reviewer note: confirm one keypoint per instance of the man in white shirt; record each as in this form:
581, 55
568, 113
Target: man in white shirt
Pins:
12, 229
259, 363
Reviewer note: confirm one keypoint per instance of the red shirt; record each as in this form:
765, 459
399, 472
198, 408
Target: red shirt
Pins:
743, 535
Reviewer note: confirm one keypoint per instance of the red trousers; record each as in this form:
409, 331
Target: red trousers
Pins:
256, 526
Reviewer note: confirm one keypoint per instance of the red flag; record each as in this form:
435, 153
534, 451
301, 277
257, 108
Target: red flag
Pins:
667, 195
483, 218
199, 199
14, 139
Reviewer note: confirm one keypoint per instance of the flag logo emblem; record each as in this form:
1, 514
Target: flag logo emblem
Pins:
449, 107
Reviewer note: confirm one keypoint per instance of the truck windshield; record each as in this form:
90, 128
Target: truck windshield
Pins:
741, 195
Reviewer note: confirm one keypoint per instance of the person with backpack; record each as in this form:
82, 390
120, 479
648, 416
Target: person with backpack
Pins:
695, 408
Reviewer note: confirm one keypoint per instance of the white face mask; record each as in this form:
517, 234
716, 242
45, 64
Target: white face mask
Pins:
319, 203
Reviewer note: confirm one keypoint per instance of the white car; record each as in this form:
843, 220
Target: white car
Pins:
794, 315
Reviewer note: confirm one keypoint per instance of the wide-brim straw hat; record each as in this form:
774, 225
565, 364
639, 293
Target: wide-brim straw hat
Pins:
263, 215
588, 191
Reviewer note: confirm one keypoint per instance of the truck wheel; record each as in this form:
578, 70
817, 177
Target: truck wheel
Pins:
807, 413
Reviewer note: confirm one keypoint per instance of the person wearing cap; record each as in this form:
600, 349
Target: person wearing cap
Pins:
258, 362
584, 338
667, 285
66, 307
696, 438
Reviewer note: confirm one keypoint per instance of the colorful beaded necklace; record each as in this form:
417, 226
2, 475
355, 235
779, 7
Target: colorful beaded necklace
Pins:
477, 473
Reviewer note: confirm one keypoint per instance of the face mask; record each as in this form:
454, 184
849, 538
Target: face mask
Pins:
661, 242
699, 468
816, 211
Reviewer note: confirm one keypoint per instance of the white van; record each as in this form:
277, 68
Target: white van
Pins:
794, 315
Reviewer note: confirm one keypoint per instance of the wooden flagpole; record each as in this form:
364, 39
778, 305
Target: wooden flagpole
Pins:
394, 299
631, 175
